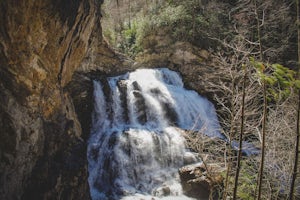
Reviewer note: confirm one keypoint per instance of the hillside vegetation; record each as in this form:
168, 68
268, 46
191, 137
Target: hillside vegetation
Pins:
250, 51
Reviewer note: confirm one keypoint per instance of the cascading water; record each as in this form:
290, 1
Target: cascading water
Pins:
136, 145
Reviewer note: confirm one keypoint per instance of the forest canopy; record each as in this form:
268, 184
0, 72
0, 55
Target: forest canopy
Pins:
129, 25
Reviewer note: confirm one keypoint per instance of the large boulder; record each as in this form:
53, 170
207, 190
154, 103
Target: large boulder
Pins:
202, 181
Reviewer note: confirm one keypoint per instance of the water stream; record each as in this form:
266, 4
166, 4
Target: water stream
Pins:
136, 145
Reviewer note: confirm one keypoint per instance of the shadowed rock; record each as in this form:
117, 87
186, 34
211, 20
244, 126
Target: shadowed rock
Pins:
201, 181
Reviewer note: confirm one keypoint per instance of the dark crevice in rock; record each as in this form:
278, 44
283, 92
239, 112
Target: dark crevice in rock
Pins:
67, 10
20, 91
3, 19
7, 137
140, 104
86, 7
81, 92
122, 85
62, 63
77, 28
141, 107
108, 96
170, 113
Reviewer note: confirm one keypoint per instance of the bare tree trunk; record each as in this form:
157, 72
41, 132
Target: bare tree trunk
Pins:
261, 168
294, 176
258, 25
229, 164
239, 158
258, 30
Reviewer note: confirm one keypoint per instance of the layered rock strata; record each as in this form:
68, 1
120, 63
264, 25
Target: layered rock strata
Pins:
42, 139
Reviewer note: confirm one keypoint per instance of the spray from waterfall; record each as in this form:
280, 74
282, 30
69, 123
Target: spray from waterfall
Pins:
136, 145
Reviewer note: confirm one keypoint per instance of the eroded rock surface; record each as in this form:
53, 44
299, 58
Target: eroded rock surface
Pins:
47, 52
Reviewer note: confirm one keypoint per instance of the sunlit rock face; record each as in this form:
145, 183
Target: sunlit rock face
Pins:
42, 147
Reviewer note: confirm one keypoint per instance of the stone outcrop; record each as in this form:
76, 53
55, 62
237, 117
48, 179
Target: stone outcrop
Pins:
202, 181
49, 52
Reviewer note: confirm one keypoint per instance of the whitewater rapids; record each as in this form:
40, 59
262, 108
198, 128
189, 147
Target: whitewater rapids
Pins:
136, 145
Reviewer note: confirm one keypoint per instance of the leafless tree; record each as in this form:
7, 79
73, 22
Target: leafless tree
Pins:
239, 158
228, 94
296, 157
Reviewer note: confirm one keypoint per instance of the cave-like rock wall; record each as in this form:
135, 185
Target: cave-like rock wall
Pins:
42, 139
50, 51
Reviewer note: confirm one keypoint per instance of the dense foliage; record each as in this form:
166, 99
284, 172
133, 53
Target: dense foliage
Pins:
130, 25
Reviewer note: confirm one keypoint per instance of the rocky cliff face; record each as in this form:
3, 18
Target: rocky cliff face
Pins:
47, 50
50, 51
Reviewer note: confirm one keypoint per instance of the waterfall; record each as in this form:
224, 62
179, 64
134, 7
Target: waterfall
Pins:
136, 144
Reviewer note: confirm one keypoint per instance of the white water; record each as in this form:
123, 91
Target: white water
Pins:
135, 149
